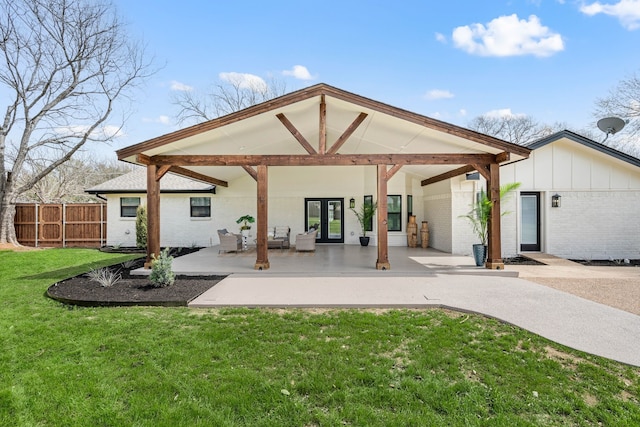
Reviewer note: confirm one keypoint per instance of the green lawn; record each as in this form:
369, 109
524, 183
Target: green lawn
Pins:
149, 366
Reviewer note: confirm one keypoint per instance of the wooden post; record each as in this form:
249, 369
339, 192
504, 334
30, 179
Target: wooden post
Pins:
494, 257
322, 140
262, 251
153, 215
383, 246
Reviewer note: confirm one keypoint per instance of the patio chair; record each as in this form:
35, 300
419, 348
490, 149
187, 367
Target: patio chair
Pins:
282, 233
306, 241
229, 242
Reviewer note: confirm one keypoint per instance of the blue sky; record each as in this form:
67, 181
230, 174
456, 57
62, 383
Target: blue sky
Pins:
452, 60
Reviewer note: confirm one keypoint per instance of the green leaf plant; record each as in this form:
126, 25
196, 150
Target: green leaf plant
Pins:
245, 220
480, 211
364, 215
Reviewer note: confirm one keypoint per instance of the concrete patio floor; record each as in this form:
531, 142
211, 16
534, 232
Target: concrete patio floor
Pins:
344, 276
331, 260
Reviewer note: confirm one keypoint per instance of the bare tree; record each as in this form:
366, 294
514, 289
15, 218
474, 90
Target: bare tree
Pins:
66, 64
234, 93
67, 182
517, 129
623, 101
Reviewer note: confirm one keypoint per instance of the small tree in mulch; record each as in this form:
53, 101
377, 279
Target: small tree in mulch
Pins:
141, 226
161, 273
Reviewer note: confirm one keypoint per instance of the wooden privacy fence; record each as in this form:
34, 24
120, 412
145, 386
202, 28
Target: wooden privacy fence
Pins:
62, 225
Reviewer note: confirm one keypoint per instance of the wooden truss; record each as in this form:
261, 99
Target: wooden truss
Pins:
326, 155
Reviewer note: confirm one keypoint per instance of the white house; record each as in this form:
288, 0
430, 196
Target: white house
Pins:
595, 217
185, 207
302, 159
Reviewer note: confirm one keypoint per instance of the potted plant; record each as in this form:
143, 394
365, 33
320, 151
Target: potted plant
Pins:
245, 220
479, 217
364, 215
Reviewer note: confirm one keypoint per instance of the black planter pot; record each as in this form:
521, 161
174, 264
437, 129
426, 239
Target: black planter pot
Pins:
364, 241
479, 254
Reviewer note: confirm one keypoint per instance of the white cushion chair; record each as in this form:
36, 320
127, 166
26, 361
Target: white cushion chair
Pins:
306, 241
229, 242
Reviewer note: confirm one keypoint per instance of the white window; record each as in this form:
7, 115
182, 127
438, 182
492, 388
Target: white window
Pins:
129, 206
200, 207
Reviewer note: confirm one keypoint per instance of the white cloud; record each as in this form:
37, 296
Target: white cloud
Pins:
162, 119
244, 80
503, 112
181, 87
508, 36
462, 112
438, 94
299, 72
627, 12
441, 38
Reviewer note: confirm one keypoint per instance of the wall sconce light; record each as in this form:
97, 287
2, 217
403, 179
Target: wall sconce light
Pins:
352, 203
555, 201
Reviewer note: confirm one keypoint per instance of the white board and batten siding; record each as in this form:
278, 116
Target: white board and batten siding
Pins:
600, 201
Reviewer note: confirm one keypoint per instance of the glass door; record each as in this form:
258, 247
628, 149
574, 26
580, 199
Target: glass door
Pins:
327, 216
530, 222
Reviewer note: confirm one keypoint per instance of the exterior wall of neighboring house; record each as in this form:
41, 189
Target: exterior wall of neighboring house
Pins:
288, 188
597, 217
177, 228
600, 201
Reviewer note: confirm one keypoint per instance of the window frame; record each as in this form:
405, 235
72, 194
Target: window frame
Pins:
368, 200
397, 215
191, 206
129, 206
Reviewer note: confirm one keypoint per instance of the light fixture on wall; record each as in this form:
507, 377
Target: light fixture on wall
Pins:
352, 203
555, 201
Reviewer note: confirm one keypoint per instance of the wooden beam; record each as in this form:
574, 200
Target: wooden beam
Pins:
310, 92
323, 160
143, 159
162, 170
347, 133
447, 175
296, 134
503, 157
322, 137
383, 228
195, 175
393, 170
153, 215
262, 255
494, 256
483, 169
425, 121
251, 171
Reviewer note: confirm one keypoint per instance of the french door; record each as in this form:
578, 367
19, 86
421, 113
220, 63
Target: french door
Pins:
327, 216
530, 221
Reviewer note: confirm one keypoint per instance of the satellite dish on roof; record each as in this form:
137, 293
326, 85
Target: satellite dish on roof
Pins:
610, 126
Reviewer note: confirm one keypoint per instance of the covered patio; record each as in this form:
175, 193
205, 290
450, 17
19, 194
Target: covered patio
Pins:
330, 260
323, 127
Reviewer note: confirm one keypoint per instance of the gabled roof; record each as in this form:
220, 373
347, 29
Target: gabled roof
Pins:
587, 143
136, 182
276, 127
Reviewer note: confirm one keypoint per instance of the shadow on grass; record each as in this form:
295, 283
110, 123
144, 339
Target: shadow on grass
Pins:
67, 272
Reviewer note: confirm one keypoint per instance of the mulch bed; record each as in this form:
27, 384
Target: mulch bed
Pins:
521, 260
131, 290
609, 263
